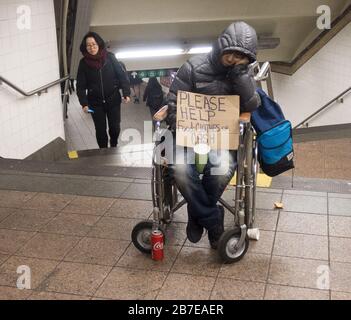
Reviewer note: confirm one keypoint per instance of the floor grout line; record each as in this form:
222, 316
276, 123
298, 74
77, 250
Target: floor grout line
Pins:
183, 245
113, 267
170, 269
44, 281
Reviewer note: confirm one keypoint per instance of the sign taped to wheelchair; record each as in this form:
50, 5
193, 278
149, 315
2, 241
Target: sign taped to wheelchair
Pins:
205, 119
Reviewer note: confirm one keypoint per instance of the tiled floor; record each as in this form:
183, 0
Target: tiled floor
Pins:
79, 247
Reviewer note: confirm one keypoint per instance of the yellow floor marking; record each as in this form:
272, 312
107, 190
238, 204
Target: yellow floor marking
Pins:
73, 154
263, 181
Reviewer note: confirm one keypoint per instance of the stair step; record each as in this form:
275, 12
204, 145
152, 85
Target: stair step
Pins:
75, 168
322, 133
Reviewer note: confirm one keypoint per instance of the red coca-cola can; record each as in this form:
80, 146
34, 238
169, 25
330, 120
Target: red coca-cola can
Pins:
157, 245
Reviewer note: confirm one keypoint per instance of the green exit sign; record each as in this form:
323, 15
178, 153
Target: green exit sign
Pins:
155, 72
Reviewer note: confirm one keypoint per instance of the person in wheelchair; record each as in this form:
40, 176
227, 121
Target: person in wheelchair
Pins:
224, 71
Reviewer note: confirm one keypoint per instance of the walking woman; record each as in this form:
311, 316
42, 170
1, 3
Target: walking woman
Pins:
153, 95
99, 79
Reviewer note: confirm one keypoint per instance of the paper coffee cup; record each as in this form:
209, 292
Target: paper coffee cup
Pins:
201, 156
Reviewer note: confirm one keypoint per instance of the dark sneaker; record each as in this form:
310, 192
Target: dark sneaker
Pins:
194, 231
215, 233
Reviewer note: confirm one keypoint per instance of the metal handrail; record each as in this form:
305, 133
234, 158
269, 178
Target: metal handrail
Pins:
322, 108
264, 73
36, 91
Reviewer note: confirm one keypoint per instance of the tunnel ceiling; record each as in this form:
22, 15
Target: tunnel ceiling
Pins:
145, 23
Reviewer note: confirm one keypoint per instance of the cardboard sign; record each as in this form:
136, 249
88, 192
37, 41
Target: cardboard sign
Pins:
213, 120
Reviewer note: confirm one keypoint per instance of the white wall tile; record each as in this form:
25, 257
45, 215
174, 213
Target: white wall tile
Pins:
12, 10
29, 59
35, 7
318, 81
4, 28
3, 12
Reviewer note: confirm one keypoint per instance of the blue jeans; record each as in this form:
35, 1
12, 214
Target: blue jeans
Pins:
203, 194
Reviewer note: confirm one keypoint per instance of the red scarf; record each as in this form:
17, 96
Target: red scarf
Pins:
96, 61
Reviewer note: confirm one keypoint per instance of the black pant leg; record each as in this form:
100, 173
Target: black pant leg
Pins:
99, 117
114, 123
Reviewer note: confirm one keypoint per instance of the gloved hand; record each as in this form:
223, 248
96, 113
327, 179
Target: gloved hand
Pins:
237, 70
171, 120
244, 85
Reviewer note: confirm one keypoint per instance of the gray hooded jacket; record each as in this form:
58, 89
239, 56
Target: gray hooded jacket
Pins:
206, 74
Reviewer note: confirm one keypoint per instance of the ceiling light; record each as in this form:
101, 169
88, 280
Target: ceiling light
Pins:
264, 42
196, 50
149, 53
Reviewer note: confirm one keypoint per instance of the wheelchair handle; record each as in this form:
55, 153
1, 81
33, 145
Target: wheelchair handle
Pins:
245, 117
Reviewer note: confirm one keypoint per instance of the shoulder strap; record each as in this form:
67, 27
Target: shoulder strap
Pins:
113, 64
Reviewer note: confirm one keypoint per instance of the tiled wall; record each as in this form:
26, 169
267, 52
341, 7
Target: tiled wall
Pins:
317, 82
29, 59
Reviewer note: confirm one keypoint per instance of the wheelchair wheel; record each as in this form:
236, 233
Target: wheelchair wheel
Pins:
249, 179
141, 236
227, 243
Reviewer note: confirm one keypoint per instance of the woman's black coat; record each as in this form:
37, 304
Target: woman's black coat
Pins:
96, 87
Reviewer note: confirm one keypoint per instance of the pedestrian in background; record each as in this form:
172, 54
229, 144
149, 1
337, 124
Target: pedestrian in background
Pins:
99, 79
153, 95
135, 82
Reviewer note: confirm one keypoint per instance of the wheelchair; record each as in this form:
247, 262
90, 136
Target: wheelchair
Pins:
234, 242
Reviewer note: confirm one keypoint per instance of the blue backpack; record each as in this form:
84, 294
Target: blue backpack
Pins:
274, 137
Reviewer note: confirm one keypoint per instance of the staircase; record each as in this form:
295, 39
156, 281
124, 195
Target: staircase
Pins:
126, 162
